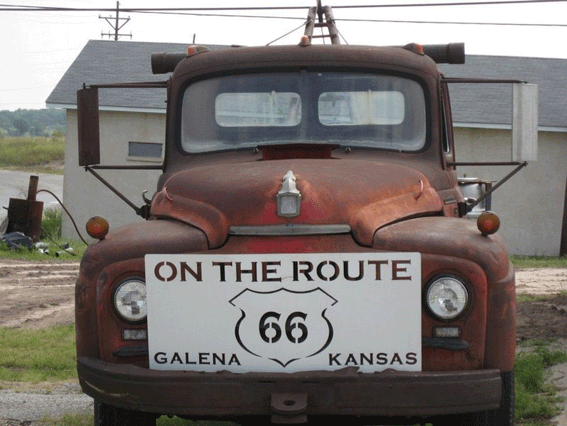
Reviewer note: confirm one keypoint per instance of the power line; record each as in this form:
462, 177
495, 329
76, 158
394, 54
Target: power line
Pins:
20, 8
451, 4
225, 15
394, 21
183, 12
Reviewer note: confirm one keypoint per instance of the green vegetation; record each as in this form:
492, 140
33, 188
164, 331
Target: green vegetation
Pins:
57, 247
69, 420
32, 122
32, 153
51, 224
524, 297
37, 355
536, 399
539, 261
60, 250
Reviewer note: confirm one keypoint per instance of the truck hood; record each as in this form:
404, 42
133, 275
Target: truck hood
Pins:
363, 194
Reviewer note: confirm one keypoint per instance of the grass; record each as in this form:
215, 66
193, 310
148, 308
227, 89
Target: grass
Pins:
51, 224
51, 235
525, 297
69, 420
32, 153
37, 355
535, 398
57, 250
539, 261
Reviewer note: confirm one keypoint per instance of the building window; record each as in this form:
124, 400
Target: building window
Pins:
145, 151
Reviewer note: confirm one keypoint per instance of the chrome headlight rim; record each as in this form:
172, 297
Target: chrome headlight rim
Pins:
462, 284
132, 282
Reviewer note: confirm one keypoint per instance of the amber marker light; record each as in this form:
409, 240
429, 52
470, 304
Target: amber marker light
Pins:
305, 41
488, 223
97, 227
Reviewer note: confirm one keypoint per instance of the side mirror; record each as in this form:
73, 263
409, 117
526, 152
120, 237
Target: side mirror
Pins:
524, 122
88, 126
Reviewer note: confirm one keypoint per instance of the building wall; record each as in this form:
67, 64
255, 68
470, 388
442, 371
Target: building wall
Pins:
531, 204
84, 195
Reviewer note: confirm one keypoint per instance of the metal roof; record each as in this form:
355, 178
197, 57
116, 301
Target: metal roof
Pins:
475, 105
103, 61
490, 104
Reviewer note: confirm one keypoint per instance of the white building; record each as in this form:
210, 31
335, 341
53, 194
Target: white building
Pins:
532, 205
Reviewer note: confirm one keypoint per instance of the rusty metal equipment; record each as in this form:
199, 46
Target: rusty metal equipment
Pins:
25, 215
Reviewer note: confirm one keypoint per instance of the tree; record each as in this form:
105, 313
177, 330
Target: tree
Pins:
21, 125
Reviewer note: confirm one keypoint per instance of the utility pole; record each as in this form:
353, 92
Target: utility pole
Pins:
116, 24
326, 20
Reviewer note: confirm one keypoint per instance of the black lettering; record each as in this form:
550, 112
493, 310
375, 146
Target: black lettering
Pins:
204, 358
187, 360
346, 264
219, 359
333, 359
252, 271
366, 358
266, 271
176, 358
197, 274
396, 359
222, 266
411, 358
158, 271
396, 270
335, 273
306, 271
351, 360
381, 358
378, 264
160, 357
234, 360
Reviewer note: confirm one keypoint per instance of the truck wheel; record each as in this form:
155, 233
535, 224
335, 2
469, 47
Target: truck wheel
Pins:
503, 416
107, 415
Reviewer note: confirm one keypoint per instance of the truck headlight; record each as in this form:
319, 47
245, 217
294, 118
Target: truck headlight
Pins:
130, 300
447, 297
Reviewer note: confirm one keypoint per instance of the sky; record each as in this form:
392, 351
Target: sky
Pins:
38, 47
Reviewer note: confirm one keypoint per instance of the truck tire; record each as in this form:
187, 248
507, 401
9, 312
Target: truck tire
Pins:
503, 416
107, 415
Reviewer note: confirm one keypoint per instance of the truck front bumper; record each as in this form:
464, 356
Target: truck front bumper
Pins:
343, 392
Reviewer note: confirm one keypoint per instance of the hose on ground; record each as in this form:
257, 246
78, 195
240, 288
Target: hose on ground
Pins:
66, 211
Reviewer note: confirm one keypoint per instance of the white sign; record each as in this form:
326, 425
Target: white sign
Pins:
284, 312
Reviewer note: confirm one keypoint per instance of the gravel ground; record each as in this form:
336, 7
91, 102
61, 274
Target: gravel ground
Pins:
26, 408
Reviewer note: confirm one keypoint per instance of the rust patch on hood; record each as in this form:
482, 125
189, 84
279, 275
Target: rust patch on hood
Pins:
363, 194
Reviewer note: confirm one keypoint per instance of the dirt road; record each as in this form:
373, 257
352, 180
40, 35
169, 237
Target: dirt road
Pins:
41, 294
36, 294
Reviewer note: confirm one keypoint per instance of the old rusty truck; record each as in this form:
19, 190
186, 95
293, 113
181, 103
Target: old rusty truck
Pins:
306, 254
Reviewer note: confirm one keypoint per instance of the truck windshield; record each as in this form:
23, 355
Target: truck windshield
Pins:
246, 111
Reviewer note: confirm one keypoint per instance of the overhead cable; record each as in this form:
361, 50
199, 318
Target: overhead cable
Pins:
395, 21
20, 8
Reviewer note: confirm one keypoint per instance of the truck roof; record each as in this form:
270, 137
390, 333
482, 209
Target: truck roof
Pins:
238, 59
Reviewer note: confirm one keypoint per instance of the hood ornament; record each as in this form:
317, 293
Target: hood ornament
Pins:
289, 197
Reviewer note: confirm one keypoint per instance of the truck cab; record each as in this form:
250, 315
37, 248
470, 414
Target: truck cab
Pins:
306, 254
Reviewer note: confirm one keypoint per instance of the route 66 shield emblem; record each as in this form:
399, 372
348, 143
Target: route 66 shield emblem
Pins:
283, 325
